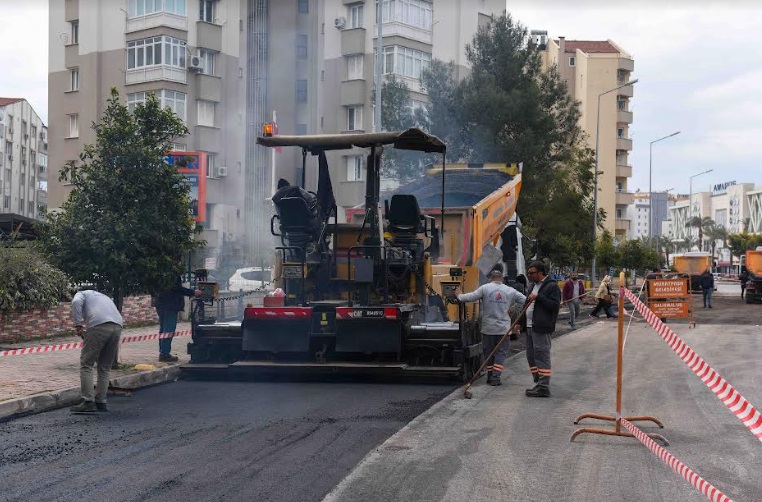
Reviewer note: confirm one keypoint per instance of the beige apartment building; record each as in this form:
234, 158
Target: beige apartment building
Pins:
23, 160
228, 66
590, 69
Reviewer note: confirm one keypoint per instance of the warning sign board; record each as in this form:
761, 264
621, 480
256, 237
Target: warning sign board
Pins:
667, 288
669, 309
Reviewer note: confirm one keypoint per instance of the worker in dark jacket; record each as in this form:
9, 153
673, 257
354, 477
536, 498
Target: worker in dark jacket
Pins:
168, 304
707, 286
573, 290
541, 323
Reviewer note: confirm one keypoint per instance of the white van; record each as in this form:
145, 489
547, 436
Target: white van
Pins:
250, 279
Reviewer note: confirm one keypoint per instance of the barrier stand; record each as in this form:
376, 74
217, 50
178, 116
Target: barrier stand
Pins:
617, 431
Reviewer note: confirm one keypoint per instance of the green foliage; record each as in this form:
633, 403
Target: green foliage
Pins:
126, 225
606, 254
510, 110
29, 282
638, 255
396, 115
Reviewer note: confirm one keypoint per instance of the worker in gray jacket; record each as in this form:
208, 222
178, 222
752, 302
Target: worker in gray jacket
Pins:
99, 324
496, 299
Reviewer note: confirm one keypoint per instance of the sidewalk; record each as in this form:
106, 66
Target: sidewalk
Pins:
34, 382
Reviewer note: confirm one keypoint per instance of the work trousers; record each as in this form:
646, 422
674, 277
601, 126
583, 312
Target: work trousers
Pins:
99, 348
167, 324
495, 363
538, 356
707, 293
574, 309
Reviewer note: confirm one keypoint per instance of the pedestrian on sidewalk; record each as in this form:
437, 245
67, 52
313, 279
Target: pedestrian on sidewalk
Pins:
99, 324
497, 299
744, 278
603, 295
168, 304
707, 286
571, 294
541, 323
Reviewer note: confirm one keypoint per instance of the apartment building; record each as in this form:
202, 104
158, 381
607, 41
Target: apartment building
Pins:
592, 70
23, 160
228, 66
639, 211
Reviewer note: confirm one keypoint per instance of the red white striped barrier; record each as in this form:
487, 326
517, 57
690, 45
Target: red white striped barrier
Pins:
76, 345
734, 401
699, 483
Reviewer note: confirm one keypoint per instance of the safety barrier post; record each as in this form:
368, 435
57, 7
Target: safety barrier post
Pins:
617, 431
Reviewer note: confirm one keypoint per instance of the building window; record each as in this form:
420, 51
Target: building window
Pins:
404, 61
156, 51
74, 79
301, 46
618, 214
134, 99
572, 61
139, 8
6, 202
355, 67
301, 91
33, 158
206, 10
301, 129
168, 99
620, 132
211, 166
355, 168
621, 105
21, 205
23, 156
209, 61
619, 186
206, 113
356, 14
304, 6
74, 28
354, 118
30, 208
416, 13
73, 126
179, 147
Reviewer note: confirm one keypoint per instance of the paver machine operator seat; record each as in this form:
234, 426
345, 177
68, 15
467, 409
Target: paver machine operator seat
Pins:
299, 225
405, 222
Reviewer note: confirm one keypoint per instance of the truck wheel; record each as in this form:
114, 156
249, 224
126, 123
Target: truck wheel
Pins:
749, 298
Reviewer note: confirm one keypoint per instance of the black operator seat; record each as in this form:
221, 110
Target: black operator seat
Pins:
295, 216
404, 214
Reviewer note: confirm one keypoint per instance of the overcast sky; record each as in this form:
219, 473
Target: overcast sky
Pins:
699, 68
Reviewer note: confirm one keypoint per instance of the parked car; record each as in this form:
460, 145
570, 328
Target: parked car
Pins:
250, 279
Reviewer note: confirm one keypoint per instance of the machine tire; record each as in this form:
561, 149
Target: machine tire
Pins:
750, 298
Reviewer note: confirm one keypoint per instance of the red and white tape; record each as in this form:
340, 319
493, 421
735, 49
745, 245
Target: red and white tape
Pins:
733, 399
702, 485
76, 345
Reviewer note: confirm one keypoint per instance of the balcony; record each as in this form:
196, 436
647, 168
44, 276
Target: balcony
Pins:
623, 116
209, 35
352, 41
624, 144
158, 72
159, 19
624, 198
621, 224
209, 87
626, 64
626, 90
352, 92
397, 29
623, 171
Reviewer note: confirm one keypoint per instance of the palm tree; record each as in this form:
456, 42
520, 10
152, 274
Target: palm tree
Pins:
701, 224
667, 246
715, 233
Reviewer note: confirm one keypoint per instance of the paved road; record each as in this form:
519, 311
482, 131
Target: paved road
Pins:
207, 441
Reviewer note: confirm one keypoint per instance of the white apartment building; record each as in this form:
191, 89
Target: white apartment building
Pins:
228, 66
23, 159
639, 211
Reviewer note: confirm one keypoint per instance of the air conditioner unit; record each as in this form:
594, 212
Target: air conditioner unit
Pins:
195, 63
340, 23
222, 171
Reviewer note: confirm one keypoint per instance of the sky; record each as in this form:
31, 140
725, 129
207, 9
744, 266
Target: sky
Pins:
699, 66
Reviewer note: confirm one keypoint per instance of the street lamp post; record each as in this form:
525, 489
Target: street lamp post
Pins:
690, 201
597, 155
650, 195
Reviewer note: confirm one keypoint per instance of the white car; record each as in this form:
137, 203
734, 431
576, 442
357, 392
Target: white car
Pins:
250, 279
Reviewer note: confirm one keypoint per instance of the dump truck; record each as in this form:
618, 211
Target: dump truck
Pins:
753, 265
374, 295
693, 264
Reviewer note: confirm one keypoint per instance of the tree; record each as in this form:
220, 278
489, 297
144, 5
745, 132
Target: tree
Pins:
510, 110
716, 233
607, 255
126, 224
638, 255
667, 246
702, 225
29, 281
397, 115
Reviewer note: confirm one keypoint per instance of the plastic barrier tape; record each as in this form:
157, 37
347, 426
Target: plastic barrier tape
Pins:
702, 485
76, 345
735, 402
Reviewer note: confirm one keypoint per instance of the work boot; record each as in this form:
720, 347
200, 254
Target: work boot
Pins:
538, 391
84, 407
168, 358
101, 406
495, 381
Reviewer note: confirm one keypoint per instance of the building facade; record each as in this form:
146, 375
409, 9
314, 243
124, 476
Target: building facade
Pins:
591, 69
23, 159
228, 66
639, 212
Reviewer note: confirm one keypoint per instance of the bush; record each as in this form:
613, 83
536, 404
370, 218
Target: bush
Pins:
28, 282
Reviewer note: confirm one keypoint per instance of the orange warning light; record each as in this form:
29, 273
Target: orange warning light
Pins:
267, 130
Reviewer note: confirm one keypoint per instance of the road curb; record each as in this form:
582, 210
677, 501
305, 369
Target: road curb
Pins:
38, 403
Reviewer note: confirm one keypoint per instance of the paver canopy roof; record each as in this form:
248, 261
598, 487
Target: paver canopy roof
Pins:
412, 139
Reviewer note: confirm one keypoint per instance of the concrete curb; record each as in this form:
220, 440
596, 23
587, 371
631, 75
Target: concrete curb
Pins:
47, 401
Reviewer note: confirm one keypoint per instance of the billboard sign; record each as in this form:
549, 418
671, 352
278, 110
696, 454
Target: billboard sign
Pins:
192, 165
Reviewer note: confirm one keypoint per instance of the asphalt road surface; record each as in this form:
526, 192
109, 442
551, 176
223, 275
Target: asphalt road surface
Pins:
201, 440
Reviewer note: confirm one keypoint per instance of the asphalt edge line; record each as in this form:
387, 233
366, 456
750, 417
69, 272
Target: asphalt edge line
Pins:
47, 401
